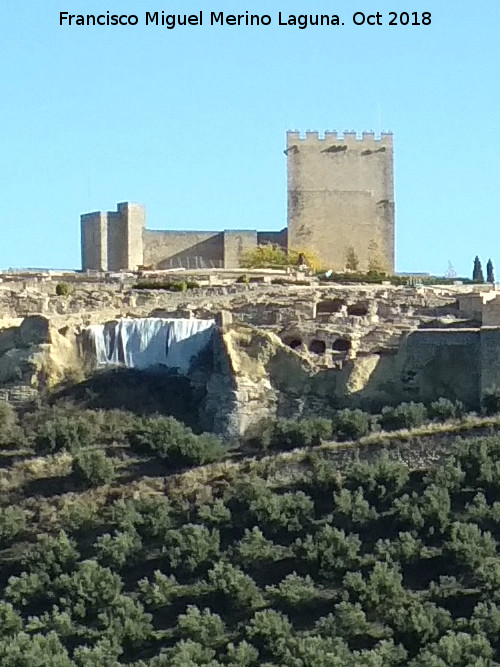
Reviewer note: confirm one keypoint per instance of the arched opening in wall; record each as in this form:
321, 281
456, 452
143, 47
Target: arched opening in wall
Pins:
293, 342
357, 309
317, 346
341, 345
329, 306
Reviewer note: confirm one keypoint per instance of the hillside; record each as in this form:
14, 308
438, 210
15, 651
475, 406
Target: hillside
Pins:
130, 540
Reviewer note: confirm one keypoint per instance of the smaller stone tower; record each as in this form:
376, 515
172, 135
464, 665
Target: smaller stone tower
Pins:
341, 196
113, 241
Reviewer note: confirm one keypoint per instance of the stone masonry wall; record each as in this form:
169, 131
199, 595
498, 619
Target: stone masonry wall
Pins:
173, 249
341, 194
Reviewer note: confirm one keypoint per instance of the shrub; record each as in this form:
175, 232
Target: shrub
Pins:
202, 626
89, 590
192, 547
10, 621
121, 548
288, 433
65, 433
444, 409
159, 592
126, 621
215, 514
270, 255
351, 507
254, 549
468, 545
330, 550
93, 468
35, 649
51, 555
63, 289
170, 440
234, 586
381, 479
405, 415
350, 424
455, 649
8, 422
25, 588
77, 515
104, 653
290, 511
348, 621
406, 548
268, 628
380, 590
13, 523
294, 591
150, 516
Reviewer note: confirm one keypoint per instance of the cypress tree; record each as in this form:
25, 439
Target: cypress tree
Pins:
477, 271
490, 273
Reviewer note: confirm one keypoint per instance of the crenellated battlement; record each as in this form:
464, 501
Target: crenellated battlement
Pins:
331, 137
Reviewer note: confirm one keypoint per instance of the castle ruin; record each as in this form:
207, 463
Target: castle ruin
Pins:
340, 203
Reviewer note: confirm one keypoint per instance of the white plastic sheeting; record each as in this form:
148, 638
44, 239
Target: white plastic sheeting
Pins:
149, 341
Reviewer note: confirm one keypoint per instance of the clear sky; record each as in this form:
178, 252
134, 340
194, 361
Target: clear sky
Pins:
191, 122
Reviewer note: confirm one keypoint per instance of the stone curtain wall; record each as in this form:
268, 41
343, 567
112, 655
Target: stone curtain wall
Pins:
341, 194
191, 250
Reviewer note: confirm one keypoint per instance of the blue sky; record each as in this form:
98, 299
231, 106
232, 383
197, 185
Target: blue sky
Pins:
191, 122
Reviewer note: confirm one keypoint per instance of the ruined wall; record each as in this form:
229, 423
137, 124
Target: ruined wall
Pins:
341, 194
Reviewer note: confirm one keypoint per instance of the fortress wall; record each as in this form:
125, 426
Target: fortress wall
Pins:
341, 194
442, 362
490, 358
236, 243
94, 241
172, 249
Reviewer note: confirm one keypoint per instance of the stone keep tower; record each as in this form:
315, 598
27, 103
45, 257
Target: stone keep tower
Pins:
113, 241
341, 195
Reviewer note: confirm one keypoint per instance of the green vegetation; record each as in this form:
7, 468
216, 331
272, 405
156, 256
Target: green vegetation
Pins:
129, 541
490, 272
168, 285
63, 289
273, 256
477, 271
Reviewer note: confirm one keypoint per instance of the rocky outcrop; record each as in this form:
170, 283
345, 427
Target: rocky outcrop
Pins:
34, 356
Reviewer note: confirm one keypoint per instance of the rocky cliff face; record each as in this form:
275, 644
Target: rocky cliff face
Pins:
34, 356
292, 350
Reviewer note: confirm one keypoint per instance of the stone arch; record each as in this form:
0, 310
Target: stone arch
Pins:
317, 346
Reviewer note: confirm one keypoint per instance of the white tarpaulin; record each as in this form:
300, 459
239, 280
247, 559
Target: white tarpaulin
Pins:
149, 341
